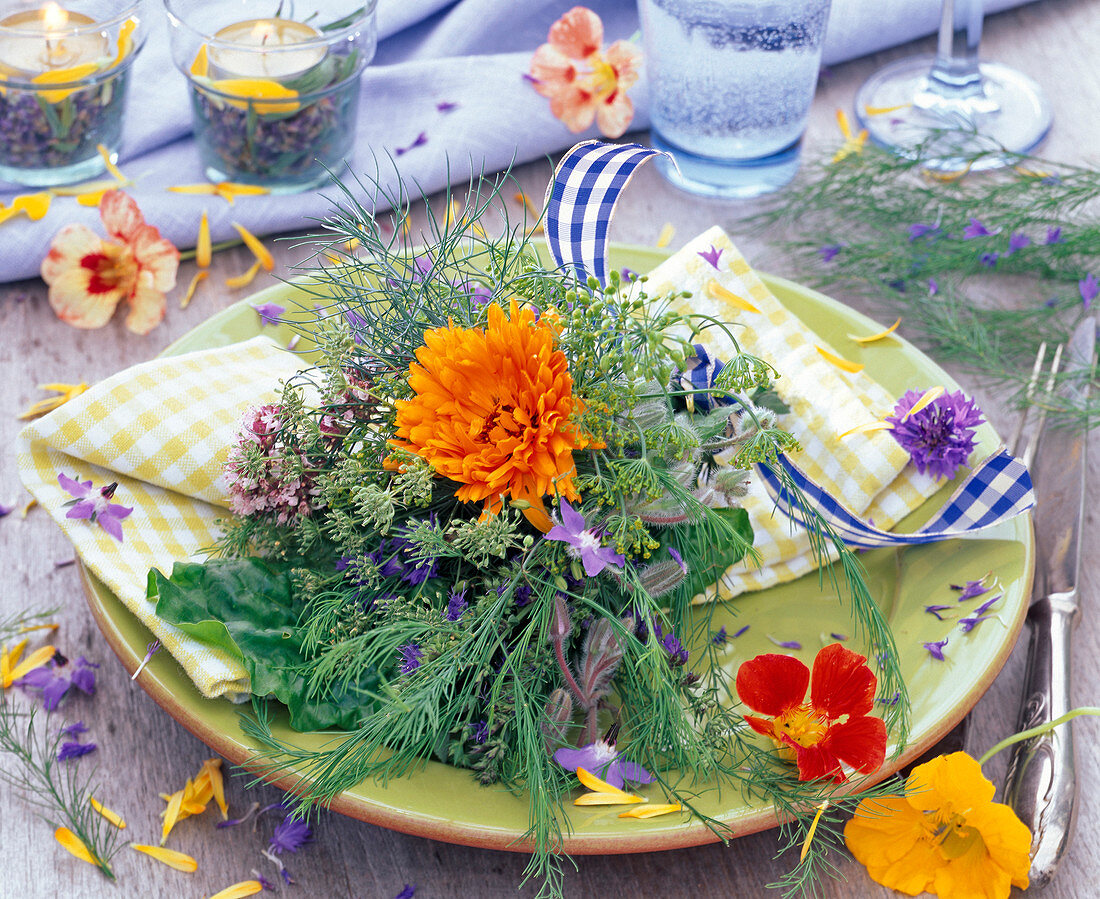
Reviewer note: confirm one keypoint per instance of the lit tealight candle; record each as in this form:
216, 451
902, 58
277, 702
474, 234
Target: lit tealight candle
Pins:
48, 39
264, 48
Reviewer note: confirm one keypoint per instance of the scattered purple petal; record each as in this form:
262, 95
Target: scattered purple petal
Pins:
531, 79
989, 259
712, 256
1054, 235
840, 637
785, 644
936, 649
150, 651
447, 106
1051, 303
628, 274
918, 230
1017, 241
985, 606
411, 654
971, 589
940, 437
6, 510
55, 679
720, 637
269, 313
74, 730
408, 892
829, 252
290, 835
421, 139
935, 610
933, 287
740, 632
977, 229
72, 750
1089, 288
892, 701
263, 881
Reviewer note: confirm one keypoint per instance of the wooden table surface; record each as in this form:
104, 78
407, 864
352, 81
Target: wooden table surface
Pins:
143, 752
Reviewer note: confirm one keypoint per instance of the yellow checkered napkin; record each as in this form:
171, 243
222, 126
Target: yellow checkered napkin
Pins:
162, 430
869, 472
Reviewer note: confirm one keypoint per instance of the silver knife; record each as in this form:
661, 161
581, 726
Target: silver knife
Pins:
1041, 780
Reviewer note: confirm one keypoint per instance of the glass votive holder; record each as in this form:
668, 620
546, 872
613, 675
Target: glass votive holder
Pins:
274, 100
64, 72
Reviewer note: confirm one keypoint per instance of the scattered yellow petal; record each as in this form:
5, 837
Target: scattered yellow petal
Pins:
947, 177
929, 396
93, 198
594, 783
203, 250
842, 122
245, 279
201, 64
110, 163
185, 300
866, 429
36, 659
171, 815
114, 817
205, 188
1031, 173
170, 857
842, 364
63, 76
230, 190
813, 829
352, 245
73, 844
9, 659
212, 769
99, 186
607, 799
718, 292
666, 235
125, 41
873, 337
852, 144
33, 206
27, 508
276, 97
65, 392
258, 249
883, 110
652, 811
28, 628
529, 207
239, 890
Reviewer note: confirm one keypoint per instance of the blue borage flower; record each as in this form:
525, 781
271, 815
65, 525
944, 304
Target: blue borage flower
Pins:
602, 759
584, 543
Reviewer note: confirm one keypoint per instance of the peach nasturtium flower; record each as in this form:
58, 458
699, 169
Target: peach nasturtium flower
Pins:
89, 275
582, 81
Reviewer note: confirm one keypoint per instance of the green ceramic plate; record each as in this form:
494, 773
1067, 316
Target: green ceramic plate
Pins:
445, 803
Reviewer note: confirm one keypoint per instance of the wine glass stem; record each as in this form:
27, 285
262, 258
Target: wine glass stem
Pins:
955, 74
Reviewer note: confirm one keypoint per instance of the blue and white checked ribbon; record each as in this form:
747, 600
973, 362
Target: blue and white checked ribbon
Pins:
580, 202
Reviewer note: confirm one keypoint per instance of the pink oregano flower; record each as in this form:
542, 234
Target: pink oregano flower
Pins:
89, 276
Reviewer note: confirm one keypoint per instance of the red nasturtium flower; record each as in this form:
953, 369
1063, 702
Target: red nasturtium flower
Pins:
89, 276
833, 727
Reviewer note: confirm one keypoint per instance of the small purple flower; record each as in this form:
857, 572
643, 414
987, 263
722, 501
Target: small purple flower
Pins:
1054, 235
935, 610
522, 595
712, 256
421, 139
456, 605
940, 437
677, 654
478, 293
1088, 288
480, 731
933, 287
785, 644
989, 259
720, 637
95, 505
6, 510
678, 559
977, 229
840, 637
269, 313
628, 274
583, 543
936, 649
1017, 241
447, 106
73, 750
602, 759
829, 252
56, 679
1051, 303
970, 589
741, 631
408, 892
411, 654
918, 230
290, 835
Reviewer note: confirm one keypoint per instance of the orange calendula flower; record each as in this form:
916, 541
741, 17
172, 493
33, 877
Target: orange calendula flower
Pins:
493, 410
946, 835
89, 276
581, 80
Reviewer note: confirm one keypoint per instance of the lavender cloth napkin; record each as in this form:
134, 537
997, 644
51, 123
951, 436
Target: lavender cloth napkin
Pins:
471, 53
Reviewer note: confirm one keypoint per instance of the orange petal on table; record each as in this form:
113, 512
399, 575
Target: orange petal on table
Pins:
114, 817
34, 205
171, 815
229, 190
594, 783
239, 890
264, 94
843, 124
93, 198
718, 292
866, 429
203, 249
873, 337
245, 279
258, 249
173, 859
839, 362
213, 770
28, 628
666, 235
929, 396
185, 300
813, 829
203, 188
101, 185
74, 845
652, 811
607, 799
114, 170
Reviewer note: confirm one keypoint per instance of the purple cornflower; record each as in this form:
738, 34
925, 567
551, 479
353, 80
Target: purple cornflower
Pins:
421, 139
970, 589
531, 79
989, 259
918, 230
785, 644
408, 892
456, 605
936, 649
290, 835
977, 229
57, 678
95, 505
1017, 241
602, 759
829, 252
940, 437
935, 610
583, 543
1054, 235
73, 750
712, 256
840, 637
411, 654
269, 313
6, 510
446, 106
1088, 288
522, 595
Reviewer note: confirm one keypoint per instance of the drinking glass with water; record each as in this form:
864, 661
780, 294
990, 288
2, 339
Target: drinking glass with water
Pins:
731, 82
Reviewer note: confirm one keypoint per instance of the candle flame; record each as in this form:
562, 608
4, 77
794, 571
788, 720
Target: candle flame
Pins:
54, 17
261, 31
